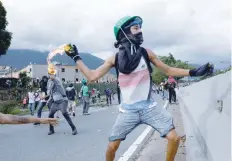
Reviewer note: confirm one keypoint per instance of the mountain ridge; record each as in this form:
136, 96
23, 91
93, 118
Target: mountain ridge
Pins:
19, 58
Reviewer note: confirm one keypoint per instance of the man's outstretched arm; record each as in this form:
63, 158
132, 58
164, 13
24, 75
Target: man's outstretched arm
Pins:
171, 71
91, 75
94, 75
13, 119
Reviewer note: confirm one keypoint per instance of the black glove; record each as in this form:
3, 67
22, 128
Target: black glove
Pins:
71, 51
206, 69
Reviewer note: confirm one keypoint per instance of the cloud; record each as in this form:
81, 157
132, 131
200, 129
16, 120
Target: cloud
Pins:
190, 29
103, 55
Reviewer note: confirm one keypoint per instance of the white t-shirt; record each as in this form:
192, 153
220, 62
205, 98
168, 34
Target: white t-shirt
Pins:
31, 97
42, 94
135, 87
37, 98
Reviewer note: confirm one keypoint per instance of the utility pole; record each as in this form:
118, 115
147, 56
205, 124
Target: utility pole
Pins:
11, 71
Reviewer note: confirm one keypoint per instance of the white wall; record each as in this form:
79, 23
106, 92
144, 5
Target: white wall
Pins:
38, 71
208, 130
69, 74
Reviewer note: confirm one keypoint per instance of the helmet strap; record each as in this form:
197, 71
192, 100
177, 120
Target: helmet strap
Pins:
133, 48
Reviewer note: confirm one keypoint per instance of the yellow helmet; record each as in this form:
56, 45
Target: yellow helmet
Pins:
51, 69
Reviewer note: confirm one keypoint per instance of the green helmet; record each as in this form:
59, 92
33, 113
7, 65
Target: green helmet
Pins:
122, 22
84, 81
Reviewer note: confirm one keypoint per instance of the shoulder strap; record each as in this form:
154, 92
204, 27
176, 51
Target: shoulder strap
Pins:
116, 65
117, 74
146, 57
148, 62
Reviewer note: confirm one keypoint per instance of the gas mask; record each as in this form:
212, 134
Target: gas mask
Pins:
136, 39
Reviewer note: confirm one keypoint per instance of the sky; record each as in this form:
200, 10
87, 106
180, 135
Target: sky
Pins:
193, 30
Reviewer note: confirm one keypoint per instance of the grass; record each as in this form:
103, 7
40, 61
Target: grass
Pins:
21, 112
17, 111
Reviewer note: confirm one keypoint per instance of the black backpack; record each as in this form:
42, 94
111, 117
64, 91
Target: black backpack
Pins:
71, 94
173, 85
147, 60
166, 86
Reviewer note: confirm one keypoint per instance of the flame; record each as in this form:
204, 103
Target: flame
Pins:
51, 69
59, 50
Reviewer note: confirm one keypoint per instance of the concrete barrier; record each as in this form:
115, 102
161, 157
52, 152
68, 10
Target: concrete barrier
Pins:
206, 111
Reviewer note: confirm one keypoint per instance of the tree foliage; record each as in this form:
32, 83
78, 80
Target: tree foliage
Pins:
158, 76
7, 107
5, 36
24, 79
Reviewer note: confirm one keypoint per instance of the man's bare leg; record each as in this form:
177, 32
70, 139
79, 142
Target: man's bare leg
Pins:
111, 150
173, 144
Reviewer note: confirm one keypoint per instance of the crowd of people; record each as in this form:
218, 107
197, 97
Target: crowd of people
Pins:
35, 99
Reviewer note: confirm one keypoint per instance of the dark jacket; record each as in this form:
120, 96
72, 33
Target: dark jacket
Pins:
70, 92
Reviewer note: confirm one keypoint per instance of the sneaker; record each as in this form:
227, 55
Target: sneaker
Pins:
74, 131
51, 132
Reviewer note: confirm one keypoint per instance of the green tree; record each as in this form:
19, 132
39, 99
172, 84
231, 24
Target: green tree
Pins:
5, 36
24, 79
228, 69
170, 60
158, 76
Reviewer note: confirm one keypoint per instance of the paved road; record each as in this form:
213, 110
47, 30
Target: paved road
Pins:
31, 143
